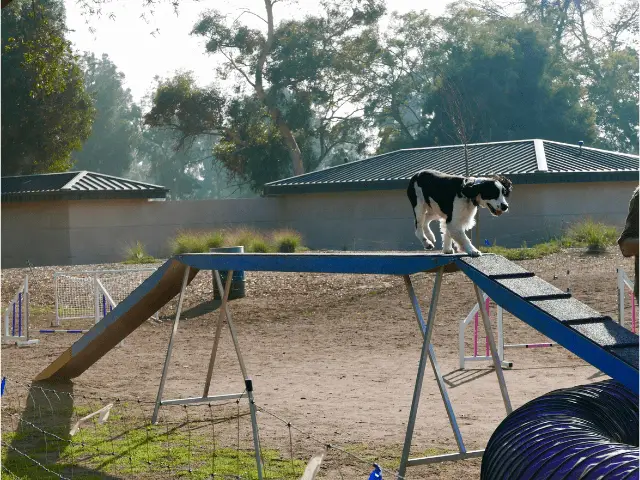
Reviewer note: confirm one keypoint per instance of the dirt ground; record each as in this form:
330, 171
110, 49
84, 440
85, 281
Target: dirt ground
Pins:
336, 355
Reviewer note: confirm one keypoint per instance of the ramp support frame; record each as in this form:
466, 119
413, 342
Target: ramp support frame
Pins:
206, 398
428, 353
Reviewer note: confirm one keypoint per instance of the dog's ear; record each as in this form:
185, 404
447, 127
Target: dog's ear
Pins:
471, 187
506, 183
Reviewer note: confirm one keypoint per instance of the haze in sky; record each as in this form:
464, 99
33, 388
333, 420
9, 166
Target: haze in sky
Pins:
128, 40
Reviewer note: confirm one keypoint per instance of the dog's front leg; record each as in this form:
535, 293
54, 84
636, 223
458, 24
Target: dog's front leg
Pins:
447, 241
462, 240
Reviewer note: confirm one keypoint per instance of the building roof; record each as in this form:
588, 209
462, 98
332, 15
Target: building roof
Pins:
81, 185
523, 161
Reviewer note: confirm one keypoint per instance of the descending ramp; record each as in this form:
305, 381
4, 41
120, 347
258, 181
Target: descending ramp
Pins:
594, 337
133, 311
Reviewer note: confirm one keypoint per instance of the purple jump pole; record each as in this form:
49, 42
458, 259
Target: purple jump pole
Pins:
13, 322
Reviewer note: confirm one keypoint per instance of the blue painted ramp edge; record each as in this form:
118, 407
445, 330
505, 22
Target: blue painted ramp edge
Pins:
549, 326
363, 263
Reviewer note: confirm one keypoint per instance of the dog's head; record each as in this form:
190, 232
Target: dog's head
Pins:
489, 192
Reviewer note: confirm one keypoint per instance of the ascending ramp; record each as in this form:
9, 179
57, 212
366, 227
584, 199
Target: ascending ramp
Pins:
155, 292
594, 337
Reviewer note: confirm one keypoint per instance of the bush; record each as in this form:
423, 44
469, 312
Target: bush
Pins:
258, 246
136, 254
214, 240
242, 237
253, 241
287, 241
591, 234
189, 242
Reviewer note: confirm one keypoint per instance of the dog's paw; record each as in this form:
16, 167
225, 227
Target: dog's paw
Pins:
448, 251
428, 245
474, 253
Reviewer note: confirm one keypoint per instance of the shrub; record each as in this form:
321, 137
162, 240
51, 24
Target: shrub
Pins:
189, 242
258, 246
214, 240
287, 241
591, 234
242, 237
137, 254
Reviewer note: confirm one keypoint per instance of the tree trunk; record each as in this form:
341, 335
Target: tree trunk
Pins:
294, 150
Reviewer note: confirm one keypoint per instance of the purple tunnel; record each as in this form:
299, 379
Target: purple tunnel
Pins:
585, 432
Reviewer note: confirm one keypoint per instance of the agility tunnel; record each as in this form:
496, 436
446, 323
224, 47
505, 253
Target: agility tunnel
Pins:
586, 432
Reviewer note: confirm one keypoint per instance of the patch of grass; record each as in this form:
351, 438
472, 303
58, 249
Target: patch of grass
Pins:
145, 451
524, 253
189, 242
242, 237
136, 254
213, 240
286, 241
591, 234
258, 246
252, 240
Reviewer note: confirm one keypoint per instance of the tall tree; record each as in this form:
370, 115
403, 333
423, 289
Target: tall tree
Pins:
109, 149
46, 111
493, 79
598, 40
295, 67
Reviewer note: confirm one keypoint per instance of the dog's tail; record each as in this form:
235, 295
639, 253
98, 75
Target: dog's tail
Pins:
413, 198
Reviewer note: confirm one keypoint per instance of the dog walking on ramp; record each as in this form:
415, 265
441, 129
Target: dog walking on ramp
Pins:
454, 201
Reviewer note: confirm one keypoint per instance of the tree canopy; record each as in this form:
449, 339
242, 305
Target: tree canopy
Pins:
291, 95
46, 111
113, 140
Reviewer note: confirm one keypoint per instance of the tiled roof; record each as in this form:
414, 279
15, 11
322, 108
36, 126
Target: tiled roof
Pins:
75, 186
524, 161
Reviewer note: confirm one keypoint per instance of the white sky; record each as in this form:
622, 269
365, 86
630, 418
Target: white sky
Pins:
140, 56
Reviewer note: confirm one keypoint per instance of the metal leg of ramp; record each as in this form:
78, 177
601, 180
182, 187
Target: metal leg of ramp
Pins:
429, 353
206, 398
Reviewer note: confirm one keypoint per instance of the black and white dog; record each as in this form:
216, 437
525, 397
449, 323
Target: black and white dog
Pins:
454, 200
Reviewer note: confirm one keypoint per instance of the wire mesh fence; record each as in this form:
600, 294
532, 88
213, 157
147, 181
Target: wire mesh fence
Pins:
54, 433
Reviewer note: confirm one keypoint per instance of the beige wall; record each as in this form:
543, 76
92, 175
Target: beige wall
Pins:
84, 232
36, 232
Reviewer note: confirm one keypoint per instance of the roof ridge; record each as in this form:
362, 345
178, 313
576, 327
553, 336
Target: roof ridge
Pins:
610, 152
104, 175
79, 176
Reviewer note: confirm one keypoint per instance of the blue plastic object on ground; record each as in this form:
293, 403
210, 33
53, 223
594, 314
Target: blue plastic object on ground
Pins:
377, 473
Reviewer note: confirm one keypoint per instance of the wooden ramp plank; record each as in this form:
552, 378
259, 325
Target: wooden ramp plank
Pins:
155, 292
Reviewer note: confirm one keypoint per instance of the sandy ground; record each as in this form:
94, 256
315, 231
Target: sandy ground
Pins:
336, 355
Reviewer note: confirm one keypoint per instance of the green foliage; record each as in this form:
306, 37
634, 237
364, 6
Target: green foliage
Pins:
46, 111
178, 104
137, 453
136, 254
524, 253
252, 240
189, 242
110, 147
591, 234
286, 241
466, 100
258, 246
